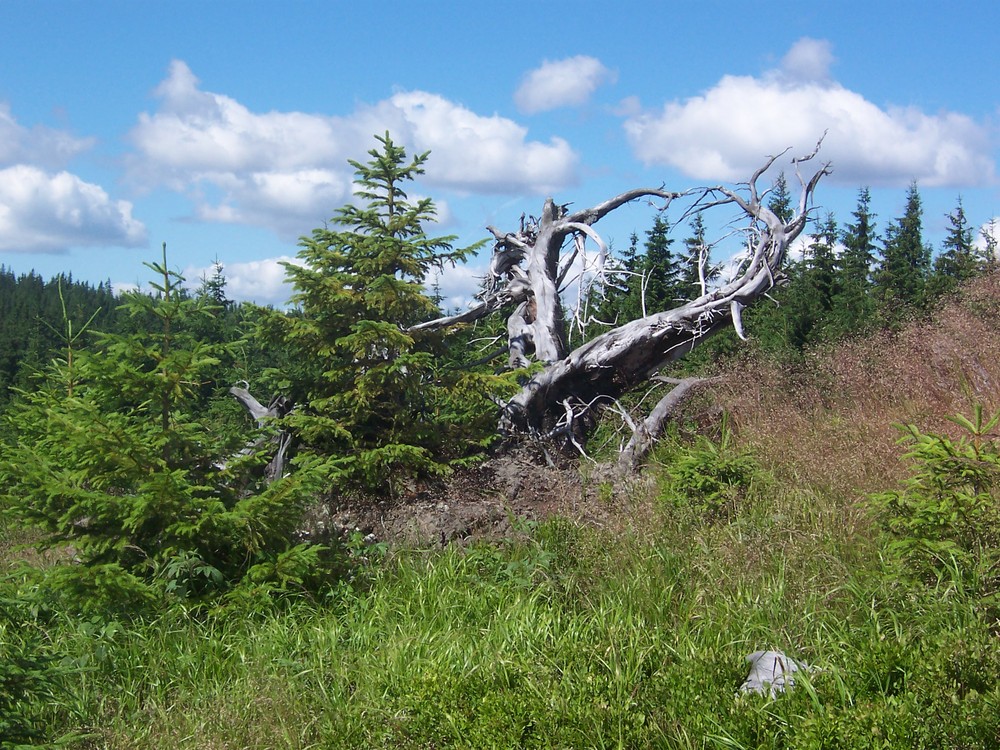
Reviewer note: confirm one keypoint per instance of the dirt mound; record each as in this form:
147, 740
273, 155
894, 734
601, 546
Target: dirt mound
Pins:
480, 503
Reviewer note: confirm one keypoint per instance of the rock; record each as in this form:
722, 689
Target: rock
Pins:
771, 672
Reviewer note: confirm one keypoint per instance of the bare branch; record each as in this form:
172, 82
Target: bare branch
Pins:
645, 434
477, 312
254, 407
277, 408
595, 213
532, 267
616, 361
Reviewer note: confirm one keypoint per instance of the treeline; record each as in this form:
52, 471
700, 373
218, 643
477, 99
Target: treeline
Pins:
850, 277
40, 319
31, 309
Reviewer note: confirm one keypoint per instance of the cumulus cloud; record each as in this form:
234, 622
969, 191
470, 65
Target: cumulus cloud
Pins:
39, 145
43, 212
44, 208
561, 83
288, 170
808, 60
725, 133
459, 284
475, 153
260, 281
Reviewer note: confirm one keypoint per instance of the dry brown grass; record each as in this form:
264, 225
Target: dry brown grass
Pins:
831, 421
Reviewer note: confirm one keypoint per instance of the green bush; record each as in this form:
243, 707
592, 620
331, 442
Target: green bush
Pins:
945, 520
115, 462
711, 477
32, 677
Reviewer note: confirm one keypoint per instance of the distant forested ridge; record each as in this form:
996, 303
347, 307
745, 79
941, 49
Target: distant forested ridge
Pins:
31, 315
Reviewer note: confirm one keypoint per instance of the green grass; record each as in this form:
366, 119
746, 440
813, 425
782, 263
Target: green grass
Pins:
573, 638
624, 637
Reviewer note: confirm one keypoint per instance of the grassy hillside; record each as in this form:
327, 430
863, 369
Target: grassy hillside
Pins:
764, 534
832, 421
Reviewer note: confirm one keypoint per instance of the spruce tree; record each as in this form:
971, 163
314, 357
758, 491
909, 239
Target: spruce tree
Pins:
901, 277
643, 282
619, 295
780, 199
989, 236
661, 288
854, 303
813, 285
960, 259
214, 287
375, 404
113, 456
803, 313
824, 265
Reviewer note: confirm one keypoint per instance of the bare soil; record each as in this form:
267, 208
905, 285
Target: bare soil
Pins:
487, 502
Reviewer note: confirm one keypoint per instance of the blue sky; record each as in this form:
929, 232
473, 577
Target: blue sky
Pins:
224, 128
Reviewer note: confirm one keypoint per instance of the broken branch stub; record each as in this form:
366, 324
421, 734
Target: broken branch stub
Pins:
278, 407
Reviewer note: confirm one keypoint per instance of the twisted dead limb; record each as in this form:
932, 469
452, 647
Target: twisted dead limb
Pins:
277, 408
647, 432
528, 271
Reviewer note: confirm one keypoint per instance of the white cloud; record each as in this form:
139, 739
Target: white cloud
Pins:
288, 170
49, 210
561, 83
808, 60
262, 281
725, 133
291, 203
459, 284
630, 106
39, 145
43, 212
478, 154
210, 134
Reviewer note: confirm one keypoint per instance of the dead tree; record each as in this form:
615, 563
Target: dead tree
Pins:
280, 441
529, 271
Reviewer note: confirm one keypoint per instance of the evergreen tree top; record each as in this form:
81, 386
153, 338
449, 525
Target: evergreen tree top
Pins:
383, 234
379, 184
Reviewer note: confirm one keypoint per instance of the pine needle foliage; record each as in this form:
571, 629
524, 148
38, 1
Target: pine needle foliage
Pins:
377, 402
945, 519
113, 460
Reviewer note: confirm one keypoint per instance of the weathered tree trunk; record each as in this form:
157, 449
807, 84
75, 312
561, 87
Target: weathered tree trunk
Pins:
647, 432
279, 407
528, 271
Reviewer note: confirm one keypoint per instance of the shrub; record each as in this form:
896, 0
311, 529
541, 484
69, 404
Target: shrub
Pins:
115, 462
31, 677
945, 519
708, 476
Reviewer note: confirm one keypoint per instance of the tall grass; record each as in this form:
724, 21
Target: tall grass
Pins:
575, 638
629, 636
830, 422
